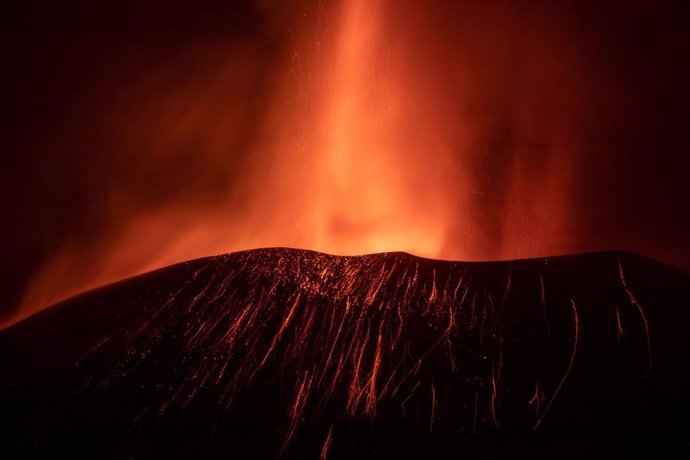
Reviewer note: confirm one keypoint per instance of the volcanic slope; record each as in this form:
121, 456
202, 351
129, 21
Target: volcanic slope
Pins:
285, 353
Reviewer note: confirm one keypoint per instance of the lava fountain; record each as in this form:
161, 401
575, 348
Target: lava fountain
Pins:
377, 134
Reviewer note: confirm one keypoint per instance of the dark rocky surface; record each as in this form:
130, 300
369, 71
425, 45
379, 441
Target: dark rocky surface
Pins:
296, 354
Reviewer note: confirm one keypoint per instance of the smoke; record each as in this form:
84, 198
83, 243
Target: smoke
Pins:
460, 131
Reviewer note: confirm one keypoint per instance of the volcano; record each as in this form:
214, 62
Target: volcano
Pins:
286, 353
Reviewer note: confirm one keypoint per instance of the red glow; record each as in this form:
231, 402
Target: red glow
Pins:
375, 138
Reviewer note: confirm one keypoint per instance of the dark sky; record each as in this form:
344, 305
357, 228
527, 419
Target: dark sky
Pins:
84, 82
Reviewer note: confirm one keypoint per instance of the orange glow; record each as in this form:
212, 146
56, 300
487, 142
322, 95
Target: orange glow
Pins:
362, 148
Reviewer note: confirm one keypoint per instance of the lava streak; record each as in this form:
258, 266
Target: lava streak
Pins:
326, 341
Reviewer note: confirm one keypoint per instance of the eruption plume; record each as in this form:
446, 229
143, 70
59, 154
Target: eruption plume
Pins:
350, 147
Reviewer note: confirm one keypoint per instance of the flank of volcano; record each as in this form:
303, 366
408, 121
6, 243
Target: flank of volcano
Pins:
297, 354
